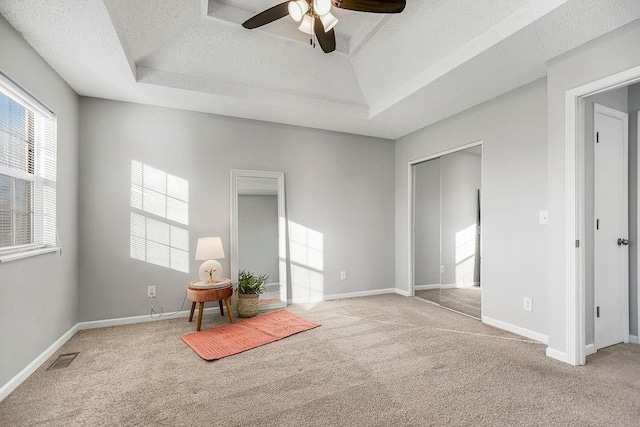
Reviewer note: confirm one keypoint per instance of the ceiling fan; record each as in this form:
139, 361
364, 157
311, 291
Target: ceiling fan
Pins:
315, 15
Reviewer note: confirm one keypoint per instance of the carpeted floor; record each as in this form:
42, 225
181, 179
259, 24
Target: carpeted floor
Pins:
376, 361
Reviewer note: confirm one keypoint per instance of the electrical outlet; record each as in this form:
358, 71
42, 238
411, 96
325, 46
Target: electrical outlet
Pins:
543, 217
343, 275
527, 304
151, 291
442, 269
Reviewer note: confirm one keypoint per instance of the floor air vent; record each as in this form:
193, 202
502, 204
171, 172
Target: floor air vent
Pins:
62, 361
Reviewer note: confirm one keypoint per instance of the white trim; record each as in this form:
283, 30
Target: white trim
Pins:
537, 336
633, 339
637, 236
14, 90
624, 117
574, 211
402, 292
426, 287
469, 285
556, 354
93, 324
589, 349
26, 254
411, 189
411, 198
348, 295
14, 382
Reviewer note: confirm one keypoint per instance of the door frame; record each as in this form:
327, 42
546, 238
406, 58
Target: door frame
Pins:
411, 194
575, 207
613, 113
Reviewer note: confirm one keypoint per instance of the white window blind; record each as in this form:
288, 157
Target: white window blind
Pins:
28, 134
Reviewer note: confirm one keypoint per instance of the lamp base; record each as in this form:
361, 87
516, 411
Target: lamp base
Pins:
205, 272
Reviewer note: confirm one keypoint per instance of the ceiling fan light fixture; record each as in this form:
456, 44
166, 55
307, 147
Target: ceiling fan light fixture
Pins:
298, 9
307, 25
328, 21
322, 7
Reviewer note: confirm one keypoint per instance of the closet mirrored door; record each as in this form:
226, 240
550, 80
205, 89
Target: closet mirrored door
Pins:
426, 208
460, 231
446, 241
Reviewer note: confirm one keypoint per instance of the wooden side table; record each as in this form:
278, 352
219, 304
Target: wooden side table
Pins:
201, 296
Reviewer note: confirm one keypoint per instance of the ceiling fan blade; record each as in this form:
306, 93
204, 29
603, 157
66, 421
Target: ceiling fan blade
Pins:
372, 6
267, 16
327, 40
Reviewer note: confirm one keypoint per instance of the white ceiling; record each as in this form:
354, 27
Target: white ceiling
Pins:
390, 75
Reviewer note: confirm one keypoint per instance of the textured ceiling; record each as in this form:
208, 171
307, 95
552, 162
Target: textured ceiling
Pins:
390, 75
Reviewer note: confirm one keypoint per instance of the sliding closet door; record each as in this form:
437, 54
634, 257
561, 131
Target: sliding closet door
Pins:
426, 214
460, 233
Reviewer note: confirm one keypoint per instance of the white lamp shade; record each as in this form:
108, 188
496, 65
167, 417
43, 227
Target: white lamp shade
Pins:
209, 248
328, 21
322, 7
307, 25
297, 9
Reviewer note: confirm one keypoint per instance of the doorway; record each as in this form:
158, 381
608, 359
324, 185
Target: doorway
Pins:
611, 207
446, 229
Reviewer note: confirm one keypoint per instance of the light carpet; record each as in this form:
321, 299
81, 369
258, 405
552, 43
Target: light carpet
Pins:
377, 361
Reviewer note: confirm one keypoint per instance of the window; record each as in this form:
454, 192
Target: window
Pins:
28, 134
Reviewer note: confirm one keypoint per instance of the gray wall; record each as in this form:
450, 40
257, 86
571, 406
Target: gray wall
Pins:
633, 108
602, 57
28, 326
461, 178
427, 223
337, 184
258, 235
513, 130
616, 99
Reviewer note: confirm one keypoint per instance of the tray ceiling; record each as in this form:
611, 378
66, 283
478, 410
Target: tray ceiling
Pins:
390, 75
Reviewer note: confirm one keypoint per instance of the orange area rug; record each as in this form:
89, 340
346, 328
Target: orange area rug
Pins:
223, 341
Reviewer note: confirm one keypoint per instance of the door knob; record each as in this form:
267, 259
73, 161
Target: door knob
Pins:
623, 242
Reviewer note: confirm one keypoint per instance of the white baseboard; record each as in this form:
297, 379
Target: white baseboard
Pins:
516, 329
556, 354
402, 292
633, 339
93, 324
14, 382
589, 349
469, 285
342, 296
425, 287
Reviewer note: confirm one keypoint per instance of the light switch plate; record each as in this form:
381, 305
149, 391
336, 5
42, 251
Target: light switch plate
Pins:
543, 218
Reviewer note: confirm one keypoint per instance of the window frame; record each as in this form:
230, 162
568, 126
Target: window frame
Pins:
33, 107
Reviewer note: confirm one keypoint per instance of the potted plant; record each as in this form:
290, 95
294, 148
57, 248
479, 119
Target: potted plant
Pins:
249, 289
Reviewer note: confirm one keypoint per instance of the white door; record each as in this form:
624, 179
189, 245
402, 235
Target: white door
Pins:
611, 250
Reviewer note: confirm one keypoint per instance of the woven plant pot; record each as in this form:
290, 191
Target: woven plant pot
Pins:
248, 305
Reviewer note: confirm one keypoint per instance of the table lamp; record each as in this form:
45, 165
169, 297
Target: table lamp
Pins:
210, 249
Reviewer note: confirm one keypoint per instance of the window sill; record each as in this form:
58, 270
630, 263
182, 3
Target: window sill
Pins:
27, 254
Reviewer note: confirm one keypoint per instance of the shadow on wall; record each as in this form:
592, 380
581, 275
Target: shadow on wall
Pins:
306, 248
159, 205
